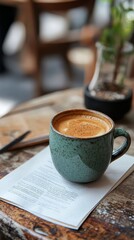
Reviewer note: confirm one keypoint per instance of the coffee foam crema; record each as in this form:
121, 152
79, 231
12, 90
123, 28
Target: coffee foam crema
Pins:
81, 125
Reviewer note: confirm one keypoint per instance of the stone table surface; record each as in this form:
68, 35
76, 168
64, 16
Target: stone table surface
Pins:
112, 219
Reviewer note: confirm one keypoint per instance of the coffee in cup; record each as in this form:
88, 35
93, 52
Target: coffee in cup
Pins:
81, 144
82, 125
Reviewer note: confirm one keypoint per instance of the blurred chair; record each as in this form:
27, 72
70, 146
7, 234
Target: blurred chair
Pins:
84, 56
37, 48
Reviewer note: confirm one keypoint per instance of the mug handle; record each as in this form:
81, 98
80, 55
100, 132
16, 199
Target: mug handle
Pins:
119, 132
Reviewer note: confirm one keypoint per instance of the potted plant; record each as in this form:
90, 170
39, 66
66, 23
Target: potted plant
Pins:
107, 91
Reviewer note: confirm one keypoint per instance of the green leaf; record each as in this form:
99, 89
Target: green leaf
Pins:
121, 27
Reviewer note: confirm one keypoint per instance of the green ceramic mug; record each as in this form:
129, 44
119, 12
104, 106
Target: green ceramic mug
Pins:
81, 144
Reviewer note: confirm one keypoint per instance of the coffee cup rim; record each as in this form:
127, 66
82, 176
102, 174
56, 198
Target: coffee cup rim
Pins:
86, 110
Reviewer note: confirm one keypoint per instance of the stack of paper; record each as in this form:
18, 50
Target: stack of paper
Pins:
37, 187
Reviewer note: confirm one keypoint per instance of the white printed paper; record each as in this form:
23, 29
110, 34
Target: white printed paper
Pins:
37, 187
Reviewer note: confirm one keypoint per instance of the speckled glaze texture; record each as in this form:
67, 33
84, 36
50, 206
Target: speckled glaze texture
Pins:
84, 160
80, 160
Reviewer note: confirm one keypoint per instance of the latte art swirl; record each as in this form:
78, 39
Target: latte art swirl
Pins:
81, 126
